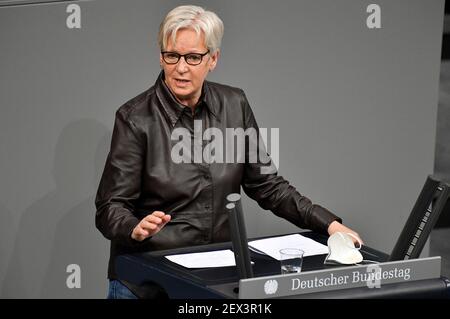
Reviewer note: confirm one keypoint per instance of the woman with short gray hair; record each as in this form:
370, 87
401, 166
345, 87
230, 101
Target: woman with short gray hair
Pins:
148, 201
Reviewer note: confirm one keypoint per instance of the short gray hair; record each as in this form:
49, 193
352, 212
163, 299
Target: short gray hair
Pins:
193, 17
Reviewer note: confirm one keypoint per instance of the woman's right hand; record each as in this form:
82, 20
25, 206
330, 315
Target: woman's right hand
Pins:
150, 225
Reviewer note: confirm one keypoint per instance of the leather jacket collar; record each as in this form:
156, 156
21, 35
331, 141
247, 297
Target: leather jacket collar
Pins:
173, 107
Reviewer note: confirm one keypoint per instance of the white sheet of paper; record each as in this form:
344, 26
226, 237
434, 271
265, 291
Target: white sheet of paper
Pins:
209, 259
272, 246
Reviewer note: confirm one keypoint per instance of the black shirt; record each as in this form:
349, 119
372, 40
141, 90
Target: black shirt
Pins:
140, 175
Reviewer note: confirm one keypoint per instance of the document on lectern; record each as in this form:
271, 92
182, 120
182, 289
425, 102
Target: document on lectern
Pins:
217, 258
271, 246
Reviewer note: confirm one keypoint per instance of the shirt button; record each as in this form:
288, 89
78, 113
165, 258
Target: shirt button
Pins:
207, 177
207, 206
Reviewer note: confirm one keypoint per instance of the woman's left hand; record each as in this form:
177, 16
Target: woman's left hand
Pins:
338, 227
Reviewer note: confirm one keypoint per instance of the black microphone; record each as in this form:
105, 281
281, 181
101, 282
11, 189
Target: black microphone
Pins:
239, 236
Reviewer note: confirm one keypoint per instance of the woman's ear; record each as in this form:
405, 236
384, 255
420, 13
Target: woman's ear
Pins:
214, 60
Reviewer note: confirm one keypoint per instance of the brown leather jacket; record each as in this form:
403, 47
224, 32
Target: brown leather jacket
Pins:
140, 176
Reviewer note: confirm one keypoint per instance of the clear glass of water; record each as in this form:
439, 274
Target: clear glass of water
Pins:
291, 260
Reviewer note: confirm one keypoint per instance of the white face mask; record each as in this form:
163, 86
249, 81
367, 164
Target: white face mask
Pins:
342, 250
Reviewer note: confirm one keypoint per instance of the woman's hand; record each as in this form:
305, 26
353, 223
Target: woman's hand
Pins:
150, 225
338, 227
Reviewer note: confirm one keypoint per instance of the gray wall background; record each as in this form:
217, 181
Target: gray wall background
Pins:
356, 110
442, 157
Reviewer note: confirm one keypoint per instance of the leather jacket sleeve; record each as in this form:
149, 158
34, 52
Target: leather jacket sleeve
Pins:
273, 192
120, 184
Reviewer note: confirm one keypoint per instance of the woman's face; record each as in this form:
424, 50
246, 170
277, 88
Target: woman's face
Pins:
184, 80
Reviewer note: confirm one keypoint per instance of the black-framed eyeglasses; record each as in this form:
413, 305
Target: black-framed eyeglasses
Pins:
190, 58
